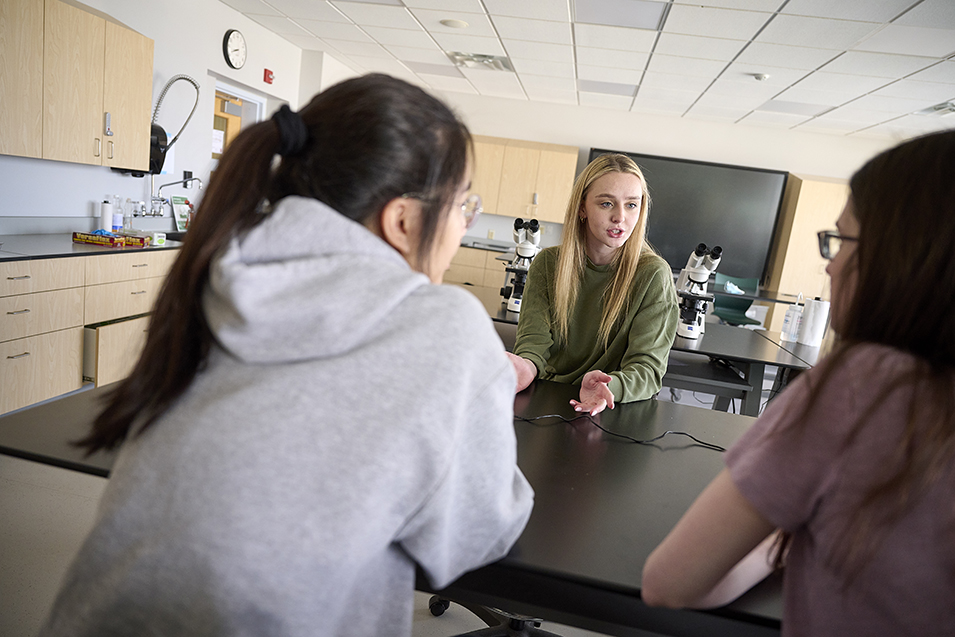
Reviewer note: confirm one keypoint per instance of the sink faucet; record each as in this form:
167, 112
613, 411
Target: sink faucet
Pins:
158, 201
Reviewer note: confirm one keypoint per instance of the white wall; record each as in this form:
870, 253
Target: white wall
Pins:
48, 196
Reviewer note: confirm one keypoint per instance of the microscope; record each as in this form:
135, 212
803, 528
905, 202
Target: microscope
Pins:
691, 288
527, 236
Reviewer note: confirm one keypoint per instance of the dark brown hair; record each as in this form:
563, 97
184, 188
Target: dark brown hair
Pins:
904, 264
369, 140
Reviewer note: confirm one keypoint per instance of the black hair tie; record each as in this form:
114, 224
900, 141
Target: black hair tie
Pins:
293, 134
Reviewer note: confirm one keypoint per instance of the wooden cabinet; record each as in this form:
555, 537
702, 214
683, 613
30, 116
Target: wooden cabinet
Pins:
810, 204
21, 88
76, 85
524, 179
476, 267
111, 351
41, 318
97, 88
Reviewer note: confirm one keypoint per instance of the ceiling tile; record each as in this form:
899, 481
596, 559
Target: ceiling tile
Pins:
615, 59
478, 23
888, 104
639, 14
542, 67
735, 102
930, 92
452, 84
368, 49
610, 88
555, 96
401, 37
716, 113
815, 32
335, 30
466, 6
448, 69
749, 88
252, 7
935, 14
698, 47
768, 6
672, 96
849, 85
810, 96
539, 51
533, 30
858, 116
309, 9
780, 119
605, 74
469, 44
797, 108
861, 10
310, 43
785, 56
279, 24
602, 100
828, 127
712, 22
678, 82
910, 41
495, 83
557, 10
542, 83
377, 15
877, 64
685, 66
778, 77
618, 38
943, 72
383, 65
412, 54
663, 107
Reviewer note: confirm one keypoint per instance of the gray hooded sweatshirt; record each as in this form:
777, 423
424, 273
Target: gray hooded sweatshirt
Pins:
353, 421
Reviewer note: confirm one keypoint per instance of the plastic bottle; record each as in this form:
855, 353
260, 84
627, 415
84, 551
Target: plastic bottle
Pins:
106, 215
792, 322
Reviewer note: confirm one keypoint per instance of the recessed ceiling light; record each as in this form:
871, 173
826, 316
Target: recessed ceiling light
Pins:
639, 14
454, 24
938, 110
480, 61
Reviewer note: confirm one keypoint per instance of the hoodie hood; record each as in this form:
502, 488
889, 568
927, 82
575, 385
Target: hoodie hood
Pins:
305, 283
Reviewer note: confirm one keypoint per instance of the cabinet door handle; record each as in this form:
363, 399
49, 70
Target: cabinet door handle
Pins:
535, 198
108, 127
140, 292
109, 145
18, 278
141, 265
99, 147
23, 355
19, 312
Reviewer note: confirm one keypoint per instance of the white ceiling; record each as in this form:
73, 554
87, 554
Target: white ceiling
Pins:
843, 67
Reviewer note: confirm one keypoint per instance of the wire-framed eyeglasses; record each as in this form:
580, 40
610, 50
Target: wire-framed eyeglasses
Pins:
471, 209
830, 242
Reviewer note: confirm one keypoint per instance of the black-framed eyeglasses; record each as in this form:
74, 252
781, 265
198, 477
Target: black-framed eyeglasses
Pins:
830, 242
471, 209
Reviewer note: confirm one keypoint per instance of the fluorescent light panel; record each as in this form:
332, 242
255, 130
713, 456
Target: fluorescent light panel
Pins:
637, 14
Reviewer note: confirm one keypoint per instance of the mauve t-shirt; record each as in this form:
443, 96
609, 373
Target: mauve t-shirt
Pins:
807, 472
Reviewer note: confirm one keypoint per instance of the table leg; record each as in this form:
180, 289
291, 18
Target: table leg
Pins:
753, 374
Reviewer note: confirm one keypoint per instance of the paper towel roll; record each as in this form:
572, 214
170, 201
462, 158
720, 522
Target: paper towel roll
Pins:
814, 321
106, 216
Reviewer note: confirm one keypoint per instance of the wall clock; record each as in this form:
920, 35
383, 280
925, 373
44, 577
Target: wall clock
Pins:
234, 49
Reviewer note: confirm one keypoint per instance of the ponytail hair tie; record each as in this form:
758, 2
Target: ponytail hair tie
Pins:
293, 134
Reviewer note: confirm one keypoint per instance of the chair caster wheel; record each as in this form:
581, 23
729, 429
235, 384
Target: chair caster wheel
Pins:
437, 606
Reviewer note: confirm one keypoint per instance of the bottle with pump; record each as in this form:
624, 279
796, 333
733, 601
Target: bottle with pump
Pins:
792, 322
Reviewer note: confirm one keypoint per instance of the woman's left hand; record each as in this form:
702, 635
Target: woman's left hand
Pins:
595, 395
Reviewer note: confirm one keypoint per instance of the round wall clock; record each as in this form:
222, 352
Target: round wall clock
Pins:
234, 49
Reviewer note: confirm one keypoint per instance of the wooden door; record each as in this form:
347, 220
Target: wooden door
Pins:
555, 181
21, 82
127, 97
486, 173
519, 180
73, 50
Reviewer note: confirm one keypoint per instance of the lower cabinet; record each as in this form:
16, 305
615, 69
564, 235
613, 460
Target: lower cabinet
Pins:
39, 367
110, 351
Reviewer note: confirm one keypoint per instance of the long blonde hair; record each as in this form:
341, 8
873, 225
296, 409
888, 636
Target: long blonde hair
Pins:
572, 259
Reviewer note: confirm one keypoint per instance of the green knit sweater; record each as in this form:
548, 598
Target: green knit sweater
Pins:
636, 355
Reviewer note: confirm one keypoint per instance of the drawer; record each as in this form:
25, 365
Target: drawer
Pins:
110, 352
458, 273
494, 278
32, 314
39, 275
491, 261
40, 367
472, 257
112, 301
129, 266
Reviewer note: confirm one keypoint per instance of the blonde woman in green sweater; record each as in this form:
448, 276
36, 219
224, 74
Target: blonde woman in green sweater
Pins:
600, 310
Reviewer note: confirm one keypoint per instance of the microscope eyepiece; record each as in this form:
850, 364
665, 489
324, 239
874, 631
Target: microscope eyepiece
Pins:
716, 252
700, 250
518, 223
534, 225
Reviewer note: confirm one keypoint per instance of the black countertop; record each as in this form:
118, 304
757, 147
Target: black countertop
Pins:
20, 247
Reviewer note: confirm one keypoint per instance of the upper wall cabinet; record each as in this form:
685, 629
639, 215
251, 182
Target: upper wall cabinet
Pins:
524, 179
21, 81
95, 82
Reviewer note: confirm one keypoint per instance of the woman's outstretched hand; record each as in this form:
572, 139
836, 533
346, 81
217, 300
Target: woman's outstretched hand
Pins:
526, 371
595, 395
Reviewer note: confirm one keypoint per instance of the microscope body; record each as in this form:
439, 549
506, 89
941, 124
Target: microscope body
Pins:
691, 288
527, 236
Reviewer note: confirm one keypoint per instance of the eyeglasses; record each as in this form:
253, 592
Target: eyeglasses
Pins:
830, 242
471, 209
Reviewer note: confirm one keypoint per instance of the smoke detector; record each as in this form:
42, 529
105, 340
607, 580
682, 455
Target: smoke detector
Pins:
480, 61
